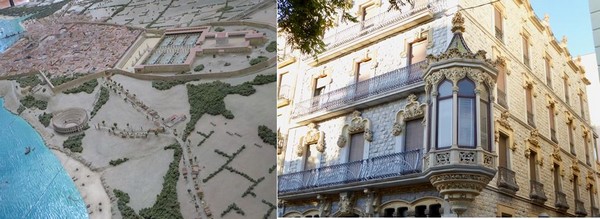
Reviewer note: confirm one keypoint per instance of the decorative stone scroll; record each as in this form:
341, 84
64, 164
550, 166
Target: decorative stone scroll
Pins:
313, 136
357, 124
590, 181
556, 154
575, 166
412, 110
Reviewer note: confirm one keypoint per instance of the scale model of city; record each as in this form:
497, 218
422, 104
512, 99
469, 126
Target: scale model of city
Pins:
146, 109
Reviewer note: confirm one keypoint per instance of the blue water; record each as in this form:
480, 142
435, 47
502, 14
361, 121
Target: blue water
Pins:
34, 185
10, 32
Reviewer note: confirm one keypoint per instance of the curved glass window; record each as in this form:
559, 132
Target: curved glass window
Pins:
444, 115
466, 113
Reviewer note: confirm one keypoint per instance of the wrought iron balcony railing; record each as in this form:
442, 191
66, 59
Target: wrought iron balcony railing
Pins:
537, 192
507, 180
373, 24
502, 99
579, 208
499, 35
381, 167
390, 81
561, 201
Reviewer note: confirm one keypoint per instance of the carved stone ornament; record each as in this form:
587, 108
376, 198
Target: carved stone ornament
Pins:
503, 120
527, 152
556, 154
460, 189
413, 109
513, 147
575, 166
397, 128
534, 138
324, 206
346, 202
312, 136
341, 142
281, 139
359, 124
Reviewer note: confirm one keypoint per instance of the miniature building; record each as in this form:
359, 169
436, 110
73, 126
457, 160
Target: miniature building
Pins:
69, 121
222, 38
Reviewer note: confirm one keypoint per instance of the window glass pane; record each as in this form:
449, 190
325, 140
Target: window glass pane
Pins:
418, 51
528, 99
497, 19
484, 126
466, 88
445, 89
414, 135
444, 132
484, 95
501, 79
466, 125
357, 142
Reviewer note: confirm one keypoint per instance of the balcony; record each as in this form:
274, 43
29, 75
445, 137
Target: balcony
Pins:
283, 96
502, 99
499, 35
506, 180
380, 26
387, 85
561, 201
580, 208
371, 169
537, 194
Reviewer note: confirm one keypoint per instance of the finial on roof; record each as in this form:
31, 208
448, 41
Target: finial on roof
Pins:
546, 19
564, 40
457, 23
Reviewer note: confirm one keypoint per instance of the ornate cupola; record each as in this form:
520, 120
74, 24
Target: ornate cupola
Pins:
459, 84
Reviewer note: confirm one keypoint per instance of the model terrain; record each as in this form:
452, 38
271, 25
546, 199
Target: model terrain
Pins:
156, 109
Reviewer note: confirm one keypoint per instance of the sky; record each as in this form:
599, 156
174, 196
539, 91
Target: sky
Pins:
570, 18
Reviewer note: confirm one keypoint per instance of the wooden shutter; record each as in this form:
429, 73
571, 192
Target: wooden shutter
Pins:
357, 145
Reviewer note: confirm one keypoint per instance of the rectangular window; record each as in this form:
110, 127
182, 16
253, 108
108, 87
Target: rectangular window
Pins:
571, 143
414, 135
581, 106
363, 71
557, 185
485, 141
592, 197
529, 100
319, 88
503, 150
444, 131
501, 87
533, 167
311, 158
587, 151
498, 25
552, 123
548, 73
466, 125
418, 51
526, 51
566, 89
576, 187
357, 145
284, 86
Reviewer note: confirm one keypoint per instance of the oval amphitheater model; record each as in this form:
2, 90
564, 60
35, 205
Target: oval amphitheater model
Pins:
70, 120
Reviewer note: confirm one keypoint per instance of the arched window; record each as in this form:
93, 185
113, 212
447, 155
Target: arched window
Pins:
444, 115
466, 113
